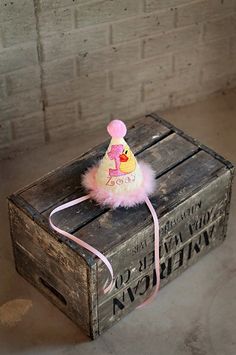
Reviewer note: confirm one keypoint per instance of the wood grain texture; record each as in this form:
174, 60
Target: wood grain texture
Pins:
48, 264
192, 140
139, 289
176, 228
192, 199
116, 226
175, 149
66, 180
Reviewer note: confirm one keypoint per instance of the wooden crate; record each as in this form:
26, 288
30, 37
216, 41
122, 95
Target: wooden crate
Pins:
192, 200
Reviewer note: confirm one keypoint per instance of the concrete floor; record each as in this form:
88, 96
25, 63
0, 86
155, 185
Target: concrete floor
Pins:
195, 314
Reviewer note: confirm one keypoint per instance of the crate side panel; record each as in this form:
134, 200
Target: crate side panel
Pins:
138, 290
45, 261
53, 289
187, 233
54, 255
177, 227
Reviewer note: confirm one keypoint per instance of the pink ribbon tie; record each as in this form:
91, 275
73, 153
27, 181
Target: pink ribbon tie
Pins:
102, 257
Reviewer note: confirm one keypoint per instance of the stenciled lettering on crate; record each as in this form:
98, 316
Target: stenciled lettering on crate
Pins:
172, 263
187, 233
192, 199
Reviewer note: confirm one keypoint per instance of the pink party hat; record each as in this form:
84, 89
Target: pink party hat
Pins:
119, 179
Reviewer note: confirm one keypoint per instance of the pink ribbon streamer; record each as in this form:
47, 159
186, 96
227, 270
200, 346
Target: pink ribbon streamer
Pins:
156, 251
79, 241
103, 257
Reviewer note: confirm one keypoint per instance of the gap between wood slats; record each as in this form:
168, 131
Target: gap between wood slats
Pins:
103, 245
157, 177
101, 147
192, 140
166, 143
80, 191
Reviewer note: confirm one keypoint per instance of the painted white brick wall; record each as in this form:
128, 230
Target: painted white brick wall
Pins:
71, 65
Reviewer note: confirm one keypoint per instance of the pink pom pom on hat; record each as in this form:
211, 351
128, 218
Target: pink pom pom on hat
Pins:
117, 129
118, 180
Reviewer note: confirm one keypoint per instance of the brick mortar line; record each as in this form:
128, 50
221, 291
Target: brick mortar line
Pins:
110, 34
109, 22
175, 27
119, 66
154, 35
151, 35
110, 80
190, 3
72, 5
92, 51
40, 60
132, 17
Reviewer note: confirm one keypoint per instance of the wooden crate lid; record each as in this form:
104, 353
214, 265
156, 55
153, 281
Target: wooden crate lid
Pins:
182, 167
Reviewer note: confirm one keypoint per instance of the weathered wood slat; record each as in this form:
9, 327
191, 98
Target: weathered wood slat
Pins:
192, 198
116, 226
64, 181
176, 228
175, 149
62, 261
138, 290
192, 140
53, 268
53, 288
